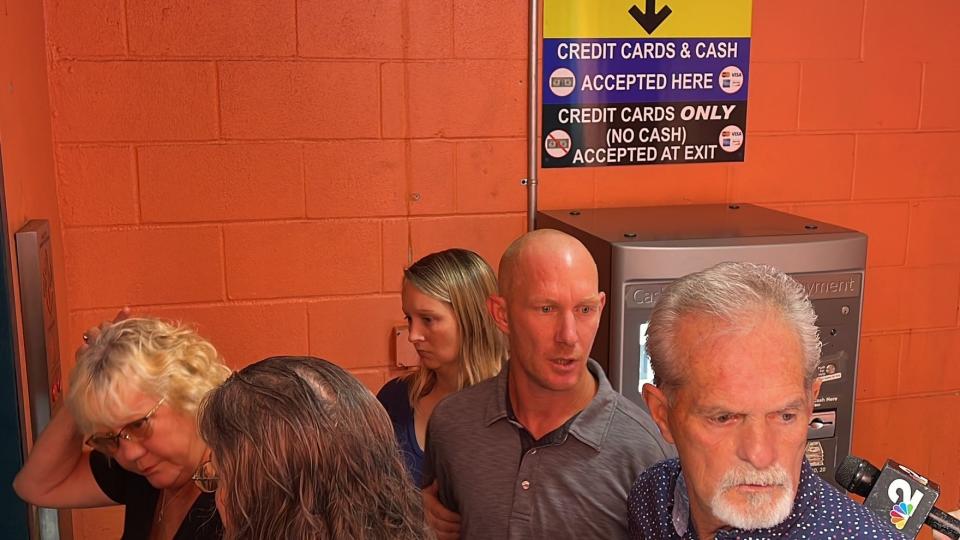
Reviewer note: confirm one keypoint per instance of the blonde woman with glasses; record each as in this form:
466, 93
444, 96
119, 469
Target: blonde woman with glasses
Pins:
128, 434
444, 297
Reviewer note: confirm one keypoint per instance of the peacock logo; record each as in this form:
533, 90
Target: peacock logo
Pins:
900, 513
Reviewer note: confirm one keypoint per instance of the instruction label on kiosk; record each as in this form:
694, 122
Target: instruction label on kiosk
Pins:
644, 82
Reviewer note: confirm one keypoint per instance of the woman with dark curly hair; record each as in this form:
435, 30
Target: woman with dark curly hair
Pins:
301, 449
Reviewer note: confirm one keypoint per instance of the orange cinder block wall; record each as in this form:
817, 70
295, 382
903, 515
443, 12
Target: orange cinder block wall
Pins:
29, 185
267, 168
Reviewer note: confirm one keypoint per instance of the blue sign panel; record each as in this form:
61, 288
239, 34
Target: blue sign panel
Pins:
633, 100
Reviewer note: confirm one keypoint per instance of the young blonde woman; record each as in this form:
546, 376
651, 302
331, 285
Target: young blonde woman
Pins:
128, 435
444, 300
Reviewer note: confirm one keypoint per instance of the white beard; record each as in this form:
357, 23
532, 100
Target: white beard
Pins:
762, 510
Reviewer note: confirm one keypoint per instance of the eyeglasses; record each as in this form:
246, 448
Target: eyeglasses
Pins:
206, 477
136, 431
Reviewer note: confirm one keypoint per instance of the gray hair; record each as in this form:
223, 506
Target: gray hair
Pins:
729, 291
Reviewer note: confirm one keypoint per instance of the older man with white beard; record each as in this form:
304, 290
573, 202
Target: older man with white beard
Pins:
734, 351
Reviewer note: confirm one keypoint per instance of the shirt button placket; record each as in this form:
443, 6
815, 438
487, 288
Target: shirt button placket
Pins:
521, 517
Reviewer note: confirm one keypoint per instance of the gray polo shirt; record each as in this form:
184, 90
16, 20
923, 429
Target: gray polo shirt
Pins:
575, 488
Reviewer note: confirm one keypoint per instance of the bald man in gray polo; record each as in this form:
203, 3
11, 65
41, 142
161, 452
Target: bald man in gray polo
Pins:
547, 449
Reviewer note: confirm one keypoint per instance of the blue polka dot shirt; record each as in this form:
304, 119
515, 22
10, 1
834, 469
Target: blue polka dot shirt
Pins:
819, 512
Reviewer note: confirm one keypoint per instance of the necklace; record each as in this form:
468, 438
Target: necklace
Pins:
164, 501
185, 488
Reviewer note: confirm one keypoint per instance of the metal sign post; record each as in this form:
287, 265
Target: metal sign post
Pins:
532, 111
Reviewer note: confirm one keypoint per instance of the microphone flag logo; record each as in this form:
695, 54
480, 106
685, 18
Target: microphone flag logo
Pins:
900, 513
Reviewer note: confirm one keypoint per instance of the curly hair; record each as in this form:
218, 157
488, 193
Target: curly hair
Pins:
149, 355
464, 281
303, 450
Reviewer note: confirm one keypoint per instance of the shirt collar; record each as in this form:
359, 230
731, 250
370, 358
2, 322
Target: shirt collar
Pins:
590, 427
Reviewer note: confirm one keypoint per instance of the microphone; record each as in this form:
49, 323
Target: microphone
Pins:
897, 494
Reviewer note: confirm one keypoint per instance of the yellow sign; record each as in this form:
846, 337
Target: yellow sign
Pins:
622, 18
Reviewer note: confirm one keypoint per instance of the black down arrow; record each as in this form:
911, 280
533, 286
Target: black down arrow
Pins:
652, 18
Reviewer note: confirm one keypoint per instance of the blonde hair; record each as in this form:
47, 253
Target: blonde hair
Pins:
147, 355
464, 281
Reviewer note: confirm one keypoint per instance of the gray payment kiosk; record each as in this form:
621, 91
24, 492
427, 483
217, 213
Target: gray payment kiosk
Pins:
641, 250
